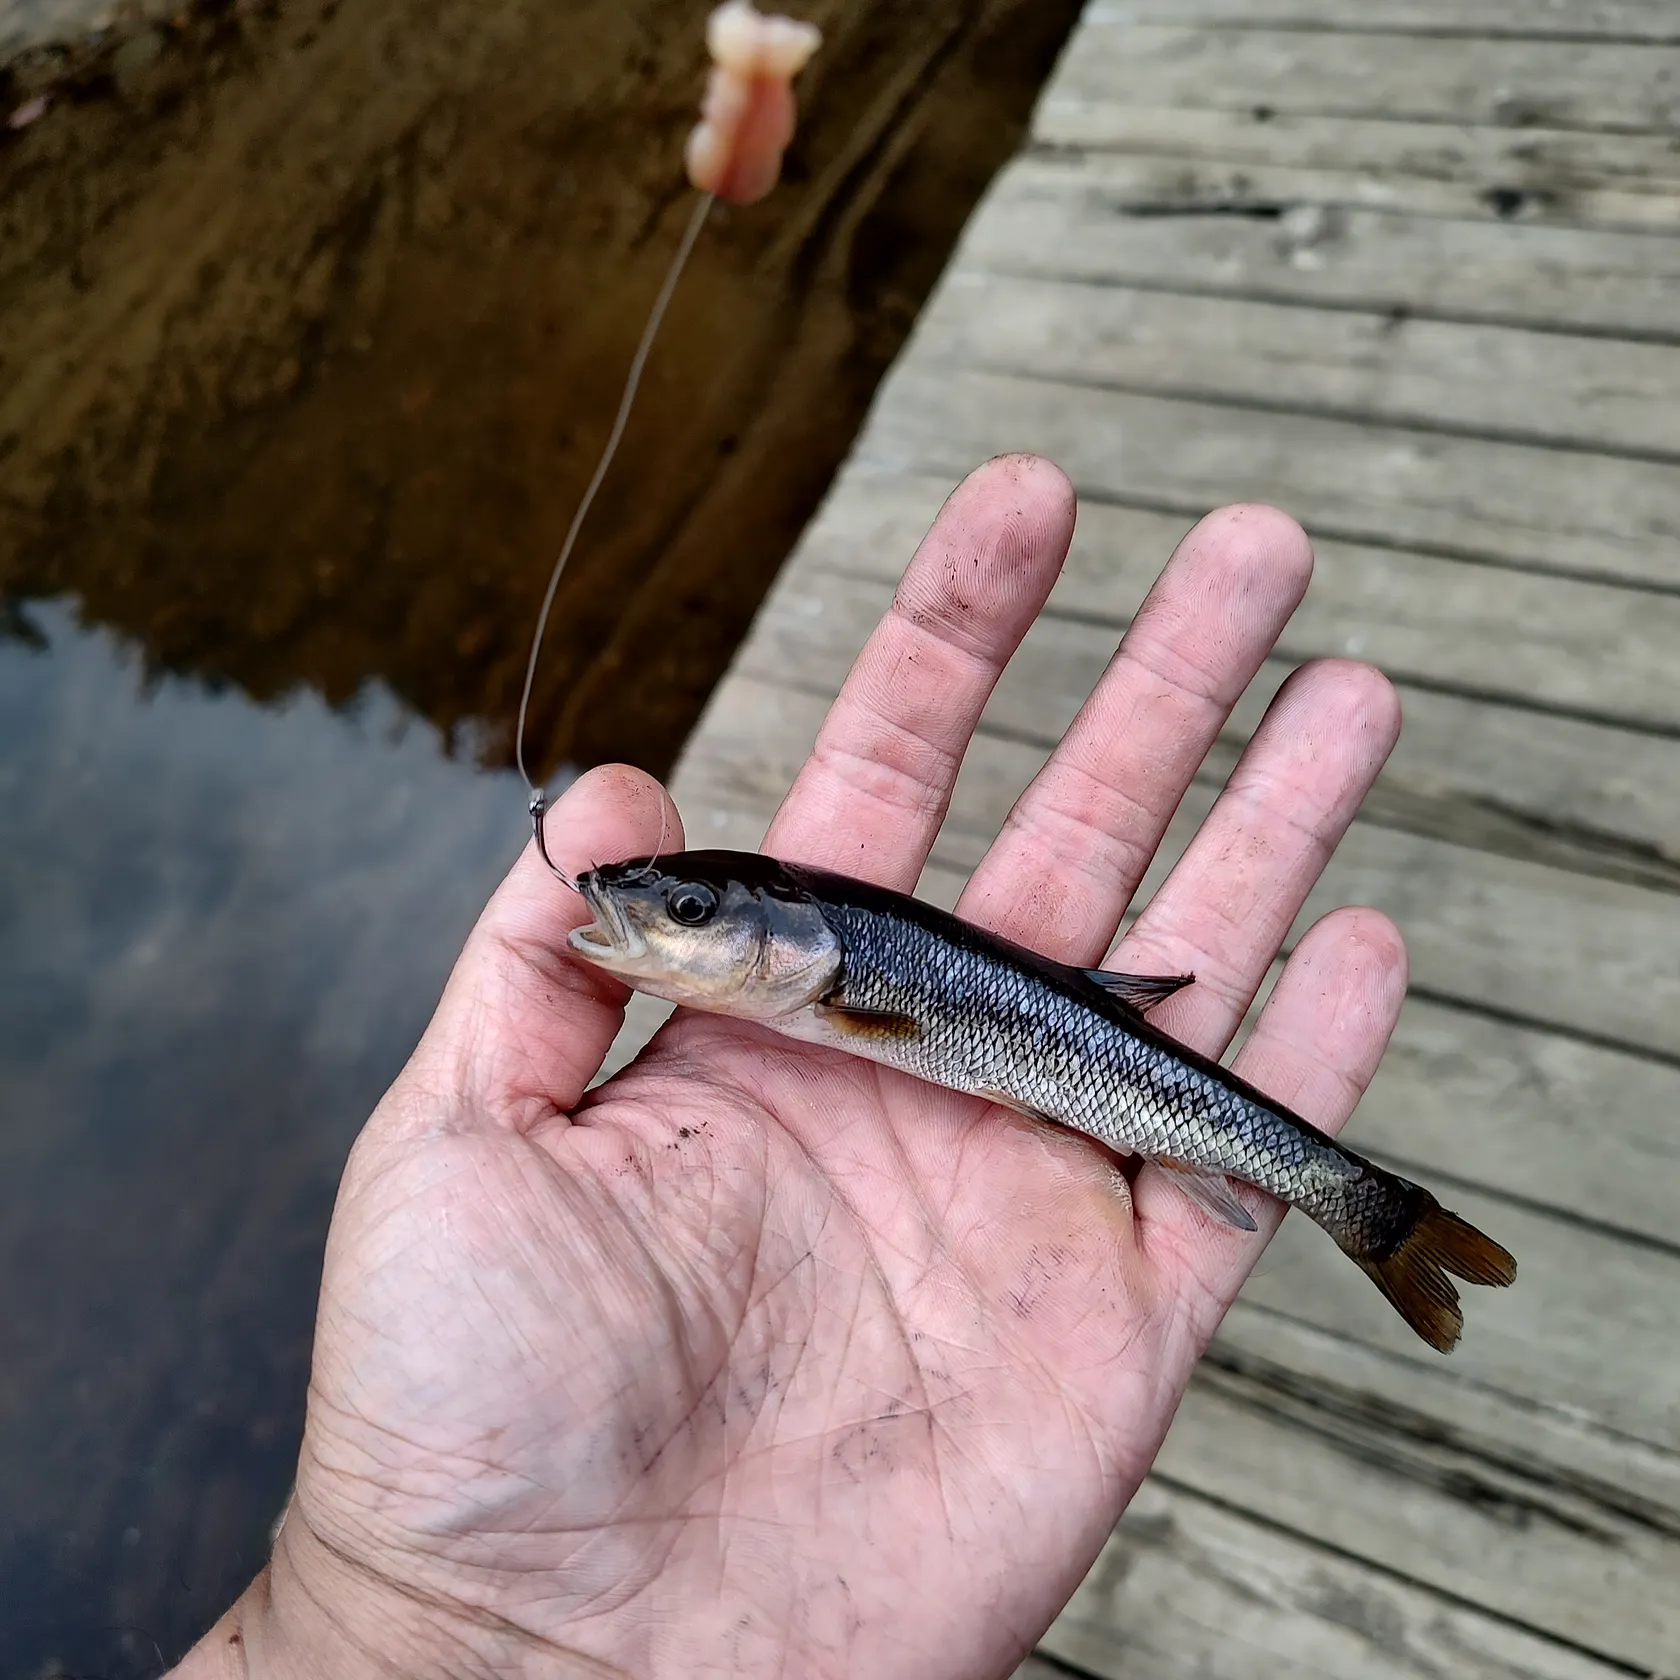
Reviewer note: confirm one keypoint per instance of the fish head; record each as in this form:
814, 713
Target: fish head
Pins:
727, 932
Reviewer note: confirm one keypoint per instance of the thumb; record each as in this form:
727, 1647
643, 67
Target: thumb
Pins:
523, 1026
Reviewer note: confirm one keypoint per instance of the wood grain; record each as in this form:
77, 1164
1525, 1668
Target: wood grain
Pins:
1190, 1589
1448, 20
1384, 367
1483, 82
1537, 509
1176, 158
1076, 217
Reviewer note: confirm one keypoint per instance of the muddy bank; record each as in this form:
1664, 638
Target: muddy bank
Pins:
313, 317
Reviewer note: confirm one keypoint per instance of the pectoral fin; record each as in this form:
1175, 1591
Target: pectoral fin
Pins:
1211, 1192
869, 1023
1141, 991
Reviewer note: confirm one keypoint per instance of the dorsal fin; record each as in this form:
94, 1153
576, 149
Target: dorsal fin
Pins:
1141, 991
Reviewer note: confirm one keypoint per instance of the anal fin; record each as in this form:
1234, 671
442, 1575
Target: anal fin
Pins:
1211, 1192
1141, 991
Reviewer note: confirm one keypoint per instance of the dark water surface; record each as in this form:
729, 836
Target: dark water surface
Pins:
222, 927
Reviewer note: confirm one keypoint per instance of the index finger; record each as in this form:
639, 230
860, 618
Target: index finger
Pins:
870, 799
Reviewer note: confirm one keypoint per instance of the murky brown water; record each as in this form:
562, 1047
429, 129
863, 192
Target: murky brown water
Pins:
312, 320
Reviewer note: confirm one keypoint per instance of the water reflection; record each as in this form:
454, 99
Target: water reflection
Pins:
221, 929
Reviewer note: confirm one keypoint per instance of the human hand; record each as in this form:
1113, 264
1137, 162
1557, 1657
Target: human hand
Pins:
760, 1359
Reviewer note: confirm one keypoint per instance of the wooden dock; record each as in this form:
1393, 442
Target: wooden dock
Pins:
1409, 269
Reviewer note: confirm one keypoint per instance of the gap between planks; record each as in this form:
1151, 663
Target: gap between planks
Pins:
1177, 158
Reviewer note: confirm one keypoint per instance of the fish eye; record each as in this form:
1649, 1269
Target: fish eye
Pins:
692, 903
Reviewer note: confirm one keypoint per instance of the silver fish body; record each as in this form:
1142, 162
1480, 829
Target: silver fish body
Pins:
830, 960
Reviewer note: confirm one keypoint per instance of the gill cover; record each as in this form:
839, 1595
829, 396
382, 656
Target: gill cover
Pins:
718, 931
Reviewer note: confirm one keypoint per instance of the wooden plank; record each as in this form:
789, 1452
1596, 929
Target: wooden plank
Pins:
1064, 217
1506, 777
1535, 508
1564, 642
1634, 20
1489, 1101
1592, 1330
1599, 958
1545, 387
1605, 85
1173, 159
1594, 957
1546, 1556
1285, 1362
1188, 1589
1509, 1106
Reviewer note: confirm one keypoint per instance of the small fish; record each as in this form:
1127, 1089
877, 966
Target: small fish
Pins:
833, 961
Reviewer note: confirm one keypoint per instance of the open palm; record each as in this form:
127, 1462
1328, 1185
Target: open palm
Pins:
758, 1359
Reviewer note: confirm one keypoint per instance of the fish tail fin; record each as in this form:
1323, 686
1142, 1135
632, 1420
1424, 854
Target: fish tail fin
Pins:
1414, 1273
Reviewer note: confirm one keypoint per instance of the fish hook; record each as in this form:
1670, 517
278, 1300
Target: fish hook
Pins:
539, 810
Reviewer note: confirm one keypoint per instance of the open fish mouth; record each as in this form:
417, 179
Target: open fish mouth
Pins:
610, 934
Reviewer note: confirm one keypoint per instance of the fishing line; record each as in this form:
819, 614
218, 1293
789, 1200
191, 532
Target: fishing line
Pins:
539, 796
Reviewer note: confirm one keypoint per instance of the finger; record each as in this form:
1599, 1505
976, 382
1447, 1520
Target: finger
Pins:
523, 1027
1315, 1049
874, 792
1080, 838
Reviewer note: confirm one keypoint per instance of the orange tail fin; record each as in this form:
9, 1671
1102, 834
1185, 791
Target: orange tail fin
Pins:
1414, 1277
